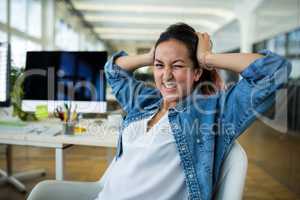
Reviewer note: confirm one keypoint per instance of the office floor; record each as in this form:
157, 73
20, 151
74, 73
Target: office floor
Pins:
87, 163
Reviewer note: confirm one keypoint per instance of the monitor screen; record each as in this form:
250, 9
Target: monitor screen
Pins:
55, 77
4, 74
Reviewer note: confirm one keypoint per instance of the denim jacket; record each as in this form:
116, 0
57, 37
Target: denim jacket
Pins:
204, 127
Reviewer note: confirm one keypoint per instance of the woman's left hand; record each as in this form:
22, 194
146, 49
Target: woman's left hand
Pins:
236, 62
204, 48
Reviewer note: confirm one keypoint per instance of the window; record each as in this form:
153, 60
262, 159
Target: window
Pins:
288, 45
18, 14
59, 26
18, 52
259, 46
66, 37
295, 73
3, 12
271, 44
19, 48
34, 18
100, 46
294, 42
3, 36
32, 46
280, 44
26, 16
73, 40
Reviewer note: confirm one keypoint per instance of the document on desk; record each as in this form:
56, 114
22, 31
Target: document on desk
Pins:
38, 129
41, 129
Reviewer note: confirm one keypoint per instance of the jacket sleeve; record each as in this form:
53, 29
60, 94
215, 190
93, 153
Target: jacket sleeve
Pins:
131, 94
254, 94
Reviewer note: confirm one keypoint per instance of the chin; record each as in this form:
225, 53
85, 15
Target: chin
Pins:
171, 98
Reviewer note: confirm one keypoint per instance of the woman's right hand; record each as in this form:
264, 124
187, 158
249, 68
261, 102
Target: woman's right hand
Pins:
134, 62
204, 48
150, 56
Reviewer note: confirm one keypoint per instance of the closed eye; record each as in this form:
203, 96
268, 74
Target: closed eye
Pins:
158, 65
178, 66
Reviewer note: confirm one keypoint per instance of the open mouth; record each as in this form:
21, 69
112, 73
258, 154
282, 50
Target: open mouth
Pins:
170, 85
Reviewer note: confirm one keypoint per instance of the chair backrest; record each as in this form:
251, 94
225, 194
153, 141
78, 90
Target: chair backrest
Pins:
232, 178
233, 175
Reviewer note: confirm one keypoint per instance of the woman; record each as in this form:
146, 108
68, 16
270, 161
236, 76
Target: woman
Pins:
175, 136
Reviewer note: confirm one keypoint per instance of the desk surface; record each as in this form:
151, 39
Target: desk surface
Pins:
103, 135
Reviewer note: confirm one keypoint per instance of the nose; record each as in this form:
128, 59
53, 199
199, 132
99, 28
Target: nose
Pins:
167, 75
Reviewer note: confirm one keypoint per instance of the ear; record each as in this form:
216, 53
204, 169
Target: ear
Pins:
198, 73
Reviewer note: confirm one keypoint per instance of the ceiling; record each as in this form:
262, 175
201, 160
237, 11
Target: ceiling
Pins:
132, 24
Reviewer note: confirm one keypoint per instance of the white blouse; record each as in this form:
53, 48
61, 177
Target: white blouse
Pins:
149, 167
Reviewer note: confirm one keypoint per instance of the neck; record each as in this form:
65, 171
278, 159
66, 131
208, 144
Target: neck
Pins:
167, 104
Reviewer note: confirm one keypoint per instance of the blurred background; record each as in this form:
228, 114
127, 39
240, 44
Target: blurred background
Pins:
272, 143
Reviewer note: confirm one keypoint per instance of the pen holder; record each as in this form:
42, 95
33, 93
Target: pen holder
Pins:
68, 128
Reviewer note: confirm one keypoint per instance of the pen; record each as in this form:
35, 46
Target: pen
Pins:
74, 113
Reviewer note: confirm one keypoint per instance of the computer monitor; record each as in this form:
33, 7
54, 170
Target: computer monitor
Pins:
4, 74
53, 78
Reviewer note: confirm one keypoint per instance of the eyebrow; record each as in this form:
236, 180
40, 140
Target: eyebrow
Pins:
158, 60
178, 60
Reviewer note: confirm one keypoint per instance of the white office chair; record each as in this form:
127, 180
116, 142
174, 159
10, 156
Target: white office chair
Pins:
229, 187
231, 182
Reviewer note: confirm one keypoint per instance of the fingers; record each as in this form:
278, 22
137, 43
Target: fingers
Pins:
149, 56
203, 35
152, 51
199, 34
203, 49
204, 38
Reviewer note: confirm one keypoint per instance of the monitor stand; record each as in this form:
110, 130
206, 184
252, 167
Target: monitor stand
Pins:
8, 176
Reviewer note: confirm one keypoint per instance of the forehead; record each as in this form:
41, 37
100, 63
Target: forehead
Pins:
171, 50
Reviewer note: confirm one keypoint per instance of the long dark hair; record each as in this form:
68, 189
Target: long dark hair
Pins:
210, 81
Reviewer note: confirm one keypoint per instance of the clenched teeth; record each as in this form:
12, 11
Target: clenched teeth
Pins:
170, 84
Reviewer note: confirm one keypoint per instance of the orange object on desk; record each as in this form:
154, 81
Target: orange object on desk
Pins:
79, 130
